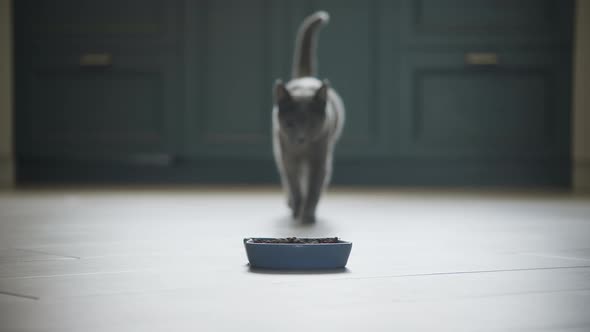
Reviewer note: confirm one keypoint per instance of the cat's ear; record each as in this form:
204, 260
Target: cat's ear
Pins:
281, 92
322, 93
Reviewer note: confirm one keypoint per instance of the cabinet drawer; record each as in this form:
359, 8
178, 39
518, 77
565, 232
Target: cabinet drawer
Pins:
124, 106
456, 22
149, 20
517, 107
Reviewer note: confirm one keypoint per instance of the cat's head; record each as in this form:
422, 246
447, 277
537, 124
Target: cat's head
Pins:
301, 117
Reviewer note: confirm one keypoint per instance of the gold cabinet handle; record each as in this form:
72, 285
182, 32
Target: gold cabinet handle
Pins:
481, 59
96, 60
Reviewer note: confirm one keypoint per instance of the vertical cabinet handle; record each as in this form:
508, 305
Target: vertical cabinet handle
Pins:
481, 59
96, 60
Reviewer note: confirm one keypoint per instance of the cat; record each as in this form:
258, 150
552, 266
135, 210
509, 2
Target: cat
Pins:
307, 120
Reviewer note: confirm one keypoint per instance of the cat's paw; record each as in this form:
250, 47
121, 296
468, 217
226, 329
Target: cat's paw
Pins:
308, 218
295, 206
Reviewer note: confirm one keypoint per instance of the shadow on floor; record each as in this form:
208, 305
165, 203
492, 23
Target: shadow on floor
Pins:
288, 227
256, 270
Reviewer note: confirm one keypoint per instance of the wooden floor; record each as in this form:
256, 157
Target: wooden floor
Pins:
173, 260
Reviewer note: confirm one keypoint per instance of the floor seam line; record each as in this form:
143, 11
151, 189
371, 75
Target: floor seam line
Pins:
468, 272
24, 296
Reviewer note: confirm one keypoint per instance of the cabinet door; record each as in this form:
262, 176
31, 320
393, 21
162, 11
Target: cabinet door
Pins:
516, 108
352, 56
98, 80
232, 67
98, 105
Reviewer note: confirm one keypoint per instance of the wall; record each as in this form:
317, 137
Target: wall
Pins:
6, 147
581, 102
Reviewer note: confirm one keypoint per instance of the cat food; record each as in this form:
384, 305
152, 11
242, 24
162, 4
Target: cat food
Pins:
296, 240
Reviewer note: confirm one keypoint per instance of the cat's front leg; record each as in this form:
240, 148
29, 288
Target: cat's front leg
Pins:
292, 175
315, 185
295, 204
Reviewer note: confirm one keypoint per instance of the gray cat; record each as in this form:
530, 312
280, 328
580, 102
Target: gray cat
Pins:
308, 117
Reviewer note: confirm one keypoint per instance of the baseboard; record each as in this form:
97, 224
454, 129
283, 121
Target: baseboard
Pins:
581, 175
521, 173
6, 172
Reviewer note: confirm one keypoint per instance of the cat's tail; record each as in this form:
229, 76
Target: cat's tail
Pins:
304, 58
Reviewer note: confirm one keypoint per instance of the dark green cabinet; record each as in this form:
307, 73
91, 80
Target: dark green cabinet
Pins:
101, 112
98, 81
450, 92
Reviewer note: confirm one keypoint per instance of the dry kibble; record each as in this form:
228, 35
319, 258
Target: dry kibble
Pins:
295, 240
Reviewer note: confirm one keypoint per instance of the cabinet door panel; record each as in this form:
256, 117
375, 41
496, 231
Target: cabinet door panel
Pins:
350, 54
516, 108
127, 107
230, 109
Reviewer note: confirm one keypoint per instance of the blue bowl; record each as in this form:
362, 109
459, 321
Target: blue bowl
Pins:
297, 256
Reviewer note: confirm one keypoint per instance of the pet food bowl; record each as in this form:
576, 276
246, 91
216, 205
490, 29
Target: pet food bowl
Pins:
297, 253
